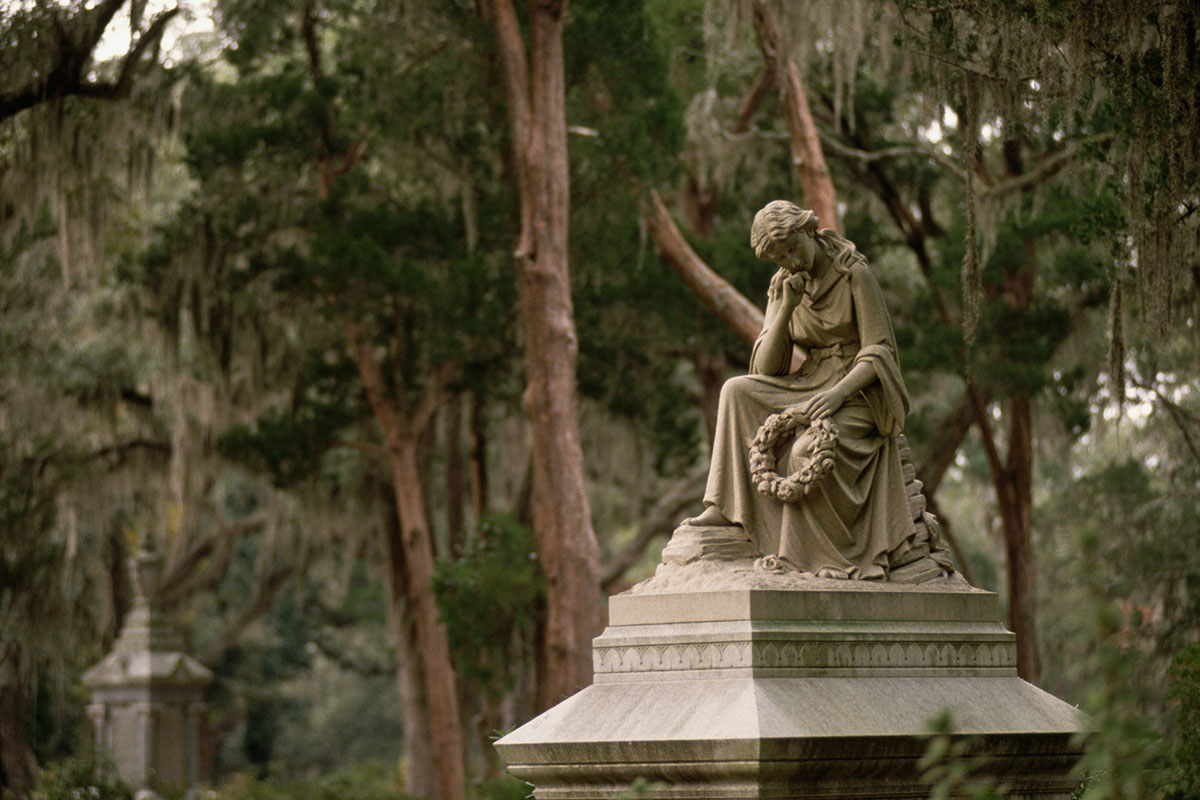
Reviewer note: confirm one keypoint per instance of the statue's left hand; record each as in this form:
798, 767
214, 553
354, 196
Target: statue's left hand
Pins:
823, 404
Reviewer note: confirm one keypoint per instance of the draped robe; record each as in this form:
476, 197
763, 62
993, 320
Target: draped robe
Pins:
858, 513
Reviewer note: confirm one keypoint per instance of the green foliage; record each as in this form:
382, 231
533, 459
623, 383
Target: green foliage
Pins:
289, 446
84, 777
641, 788
354, 720
490, 599
1070, 397
1125, 756
505, 787
1126, 98
616, 69
369, 780
950, 763
1184, 677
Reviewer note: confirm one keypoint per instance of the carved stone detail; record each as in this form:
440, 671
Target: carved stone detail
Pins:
802, 655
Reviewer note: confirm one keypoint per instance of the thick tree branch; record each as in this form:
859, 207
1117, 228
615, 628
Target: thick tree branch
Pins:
433, 396
150, 40
753, 98
308, 32
807, 155
182, 579
730, 305
899, 151
988, 437
515, 76
384, 407
76, 40
947, 437
266, 590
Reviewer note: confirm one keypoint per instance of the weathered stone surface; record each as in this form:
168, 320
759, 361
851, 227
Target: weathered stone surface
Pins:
691, 543
713, 574
746, 693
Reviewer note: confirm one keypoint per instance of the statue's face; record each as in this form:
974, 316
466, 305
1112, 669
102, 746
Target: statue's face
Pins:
795, 254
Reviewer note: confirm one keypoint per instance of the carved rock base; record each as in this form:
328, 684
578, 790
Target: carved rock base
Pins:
694, 543
795, 694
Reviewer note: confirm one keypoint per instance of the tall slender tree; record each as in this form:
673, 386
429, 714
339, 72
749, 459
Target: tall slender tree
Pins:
534, 89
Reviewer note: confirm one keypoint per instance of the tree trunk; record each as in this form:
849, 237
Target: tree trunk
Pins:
410, 557
454, 476
1018, 537
701, 195
479, 469
17, 763
807, 155
487, 722
561, 514
1018, 479
416, 589
418, 760
1012, 482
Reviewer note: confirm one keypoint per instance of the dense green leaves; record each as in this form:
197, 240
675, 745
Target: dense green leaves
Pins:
490, 599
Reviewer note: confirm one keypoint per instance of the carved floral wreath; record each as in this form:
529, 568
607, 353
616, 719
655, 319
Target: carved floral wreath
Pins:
818, 464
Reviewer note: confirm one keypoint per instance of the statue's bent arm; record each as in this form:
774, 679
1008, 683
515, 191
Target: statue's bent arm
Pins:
772, 351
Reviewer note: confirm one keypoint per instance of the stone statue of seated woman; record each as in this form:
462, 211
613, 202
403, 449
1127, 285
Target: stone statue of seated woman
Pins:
808, 464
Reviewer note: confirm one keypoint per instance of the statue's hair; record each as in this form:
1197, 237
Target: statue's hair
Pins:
781, 220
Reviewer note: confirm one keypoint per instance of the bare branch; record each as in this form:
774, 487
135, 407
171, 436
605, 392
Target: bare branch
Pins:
433, 395
76, 41
995, 462
1047, 168
428, 55
739, 313
182, 579
1180, 416
264, 595
117, 451
661, 521
899, 151
748, 107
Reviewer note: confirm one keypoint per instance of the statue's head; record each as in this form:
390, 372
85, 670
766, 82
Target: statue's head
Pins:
780, 221
785, 233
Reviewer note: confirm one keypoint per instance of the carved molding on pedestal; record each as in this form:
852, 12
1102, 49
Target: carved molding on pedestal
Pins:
823, 656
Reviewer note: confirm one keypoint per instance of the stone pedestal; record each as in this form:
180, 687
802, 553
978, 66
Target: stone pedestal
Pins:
147, 706
821, 692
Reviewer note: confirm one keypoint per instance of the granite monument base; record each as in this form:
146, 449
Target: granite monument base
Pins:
821, 692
